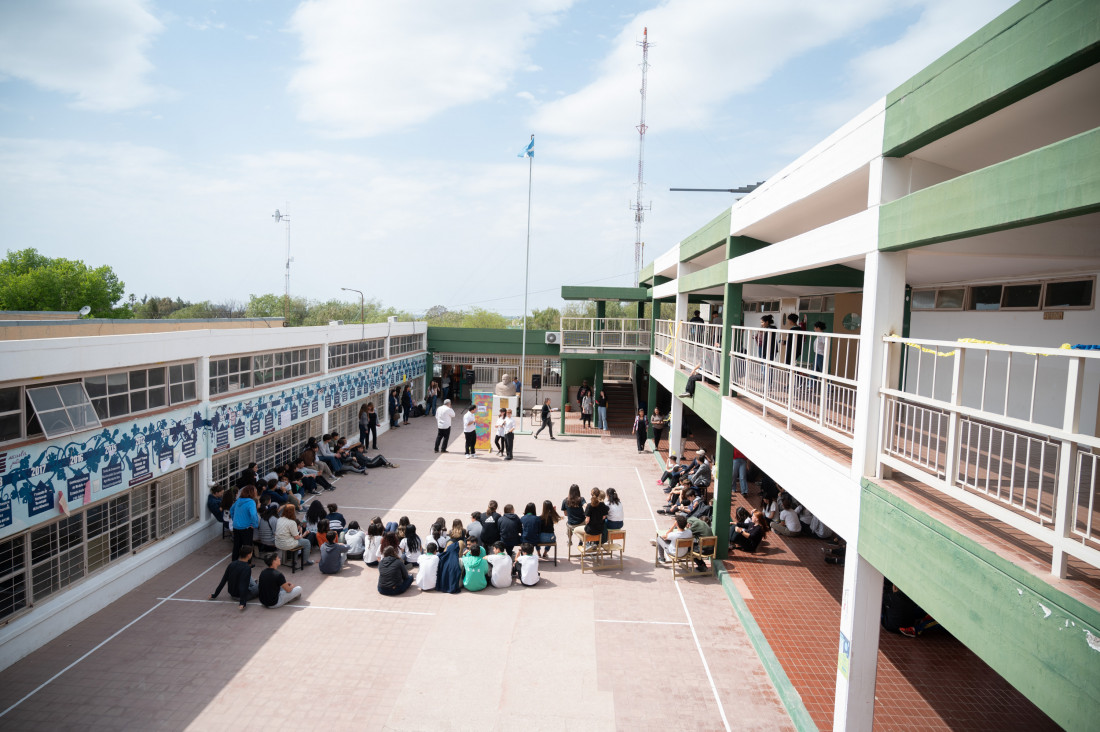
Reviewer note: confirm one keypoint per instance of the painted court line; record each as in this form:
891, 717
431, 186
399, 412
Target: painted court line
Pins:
642, 622
691, 625
602, 466
301, 607
110, 638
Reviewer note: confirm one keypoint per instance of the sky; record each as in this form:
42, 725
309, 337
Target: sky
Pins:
160, 137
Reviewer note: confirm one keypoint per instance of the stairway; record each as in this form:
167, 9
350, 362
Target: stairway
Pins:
620, 407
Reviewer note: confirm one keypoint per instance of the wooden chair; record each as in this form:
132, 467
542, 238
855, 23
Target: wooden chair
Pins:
291, 557
616, 542
554, 545
708, 548
594, 550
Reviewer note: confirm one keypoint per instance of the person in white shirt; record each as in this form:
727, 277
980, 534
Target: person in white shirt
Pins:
501, 563
789, 523
443, 417
411, 546
614, 518
356, 539
502, 417
372, 552
429, 568
509, 434
527, 565
667, 542
469, 431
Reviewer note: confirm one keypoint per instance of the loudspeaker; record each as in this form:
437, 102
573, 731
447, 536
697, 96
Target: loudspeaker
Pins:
536, 381
471, 377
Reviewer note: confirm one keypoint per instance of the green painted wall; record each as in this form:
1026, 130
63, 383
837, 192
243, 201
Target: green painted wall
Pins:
1053, 182
712, 276
615, 294
1033, 635
1030, 46
706, 404
646, 275
488, 340
715, 234
833, 275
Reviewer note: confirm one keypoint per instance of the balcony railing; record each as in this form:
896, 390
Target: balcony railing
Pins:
701, 345
664, 339
808, 378
999, 428
598, 335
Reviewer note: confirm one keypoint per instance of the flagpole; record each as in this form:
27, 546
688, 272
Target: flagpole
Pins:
526, 279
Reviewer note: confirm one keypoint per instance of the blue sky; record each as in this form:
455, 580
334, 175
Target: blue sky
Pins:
159, 137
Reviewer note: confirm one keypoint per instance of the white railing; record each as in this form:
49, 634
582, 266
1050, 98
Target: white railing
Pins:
999, 428
701, 345
596, 335
618, 370
810, 378
664, 339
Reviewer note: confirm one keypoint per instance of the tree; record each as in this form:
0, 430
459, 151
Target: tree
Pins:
545, 319
33, 281
271, 306
482, 318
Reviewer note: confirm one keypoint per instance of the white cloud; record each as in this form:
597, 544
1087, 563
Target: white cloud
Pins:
703, 52
371, 68
94, 50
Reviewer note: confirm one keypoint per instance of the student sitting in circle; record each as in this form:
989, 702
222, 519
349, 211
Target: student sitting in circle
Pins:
275, 591
474, 567
393, 578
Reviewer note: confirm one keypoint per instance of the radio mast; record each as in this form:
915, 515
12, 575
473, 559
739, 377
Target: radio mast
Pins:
639, 209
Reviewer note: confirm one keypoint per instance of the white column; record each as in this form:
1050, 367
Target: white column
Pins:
676, 418
860, 609
677, 328
202, 389
675, 426
883, 313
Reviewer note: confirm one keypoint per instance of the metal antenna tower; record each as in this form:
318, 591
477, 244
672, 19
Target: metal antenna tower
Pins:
280, 217
639, 209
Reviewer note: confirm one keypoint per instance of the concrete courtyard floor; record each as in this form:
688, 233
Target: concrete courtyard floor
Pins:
628, 649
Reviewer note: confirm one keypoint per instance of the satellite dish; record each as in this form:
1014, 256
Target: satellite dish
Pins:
85, 310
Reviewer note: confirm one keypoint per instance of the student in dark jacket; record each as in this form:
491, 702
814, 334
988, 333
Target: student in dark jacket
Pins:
393, 578
510, 528
238, 577
490, 525
530, 525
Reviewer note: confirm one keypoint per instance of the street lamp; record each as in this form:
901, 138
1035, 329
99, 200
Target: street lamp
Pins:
362, 312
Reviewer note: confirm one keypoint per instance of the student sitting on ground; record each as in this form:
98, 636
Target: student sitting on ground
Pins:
788, 525
238, 577
474, 567
275, 591
428, 574
490, 526
356, 539
314, 515
511, 528
333, 555
458, 532
501, 566
527, 565
437, 533
410, 546
671, 476
389, 538
373, 549
393, 578
335, 519
474, 528
750, 538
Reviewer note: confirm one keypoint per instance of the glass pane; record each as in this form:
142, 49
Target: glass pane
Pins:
156, 377
83, 416
43, 543
55, 423
11, 556
950, 299
138, 379
985, 297
116, 383
44, 398
189, 372
9, 399
1069, 294
177, 393
101, 408
10, 427
156, 397
214, 386
246, 380
1022, 296
119, 406
175, 374
223, 384
138, 402
924, 299
96, 386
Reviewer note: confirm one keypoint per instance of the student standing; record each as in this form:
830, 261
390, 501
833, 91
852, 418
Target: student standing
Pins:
244, 518
443, 422
469, 431
509, 434
546, 423
639, 429
601, 411
657, 422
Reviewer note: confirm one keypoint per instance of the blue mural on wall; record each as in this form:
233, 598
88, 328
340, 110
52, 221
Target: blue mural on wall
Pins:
42, 481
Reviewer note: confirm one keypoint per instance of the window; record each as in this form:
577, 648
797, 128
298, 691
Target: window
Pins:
11, 413
1022, 297
938, 299
406, 344
1069, 294
181, 379
341, 355
38, 563
268, 451
245, 372
985, 297
62, 409
809, 304
345, 419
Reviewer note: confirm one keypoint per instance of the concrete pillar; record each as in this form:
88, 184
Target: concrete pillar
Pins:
564, 393
676, 417
860, 610
723, 487
681, 317
731, 316
883, 313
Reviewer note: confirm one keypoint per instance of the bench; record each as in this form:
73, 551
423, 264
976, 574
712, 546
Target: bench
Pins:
554, 545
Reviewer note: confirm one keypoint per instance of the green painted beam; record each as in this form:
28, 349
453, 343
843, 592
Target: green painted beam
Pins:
488, 340
714, 234
739, 245
1030, 46
615, 356
646, 274
706, 403
833, 275
712, 276
1054, 182
614, 294
1039, 639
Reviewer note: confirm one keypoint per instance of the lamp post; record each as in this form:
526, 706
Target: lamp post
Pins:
362, 312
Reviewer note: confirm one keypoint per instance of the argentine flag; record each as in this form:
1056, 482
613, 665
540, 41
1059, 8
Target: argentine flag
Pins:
529, 151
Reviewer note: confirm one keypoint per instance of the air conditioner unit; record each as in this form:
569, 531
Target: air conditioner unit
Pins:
552, 337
